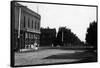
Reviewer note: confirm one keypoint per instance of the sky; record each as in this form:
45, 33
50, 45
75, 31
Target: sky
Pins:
76, 18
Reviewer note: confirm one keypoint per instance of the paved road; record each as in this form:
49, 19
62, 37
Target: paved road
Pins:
31, 58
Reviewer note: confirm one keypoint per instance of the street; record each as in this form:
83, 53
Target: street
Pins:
43, 57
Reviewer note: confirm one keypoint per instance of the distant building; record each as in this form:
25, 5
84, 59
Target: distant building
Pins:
27, 27
47, 36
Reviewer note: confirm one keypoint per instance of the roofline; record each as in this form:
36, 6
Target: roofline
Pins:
20, 5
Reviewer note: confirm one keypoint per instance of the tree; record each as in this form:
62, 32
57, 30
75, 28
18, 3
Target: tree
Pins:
65, 36
47, 36
91, 36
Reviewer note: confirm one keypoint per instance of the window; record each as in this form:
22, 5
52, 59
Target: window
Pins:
35, 24
38, 25
28, 23
26, 35
32, 23
24, 22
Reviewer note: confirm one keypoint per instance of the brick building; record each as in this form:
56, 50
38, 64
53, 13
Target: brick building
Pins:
26, 28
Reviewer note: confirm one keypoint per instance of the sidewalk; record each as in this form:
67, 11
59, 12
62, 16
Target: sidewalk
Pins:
28, 50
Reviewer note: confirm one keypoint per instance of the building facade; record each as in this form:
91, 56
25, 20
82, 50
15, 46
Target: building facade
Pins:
27, 27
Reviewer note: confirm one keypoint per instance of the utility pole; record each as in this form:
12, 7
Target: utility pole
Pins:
38, 13
19, 21
19, 26
62, 37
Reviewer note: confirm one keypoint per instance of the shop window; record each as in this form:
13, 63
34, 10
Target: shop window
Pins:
29, 36
26, 35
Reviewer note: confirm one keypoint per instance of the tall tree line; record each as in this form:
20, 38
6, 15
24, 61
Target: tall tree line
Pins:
91, 36
66, 37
